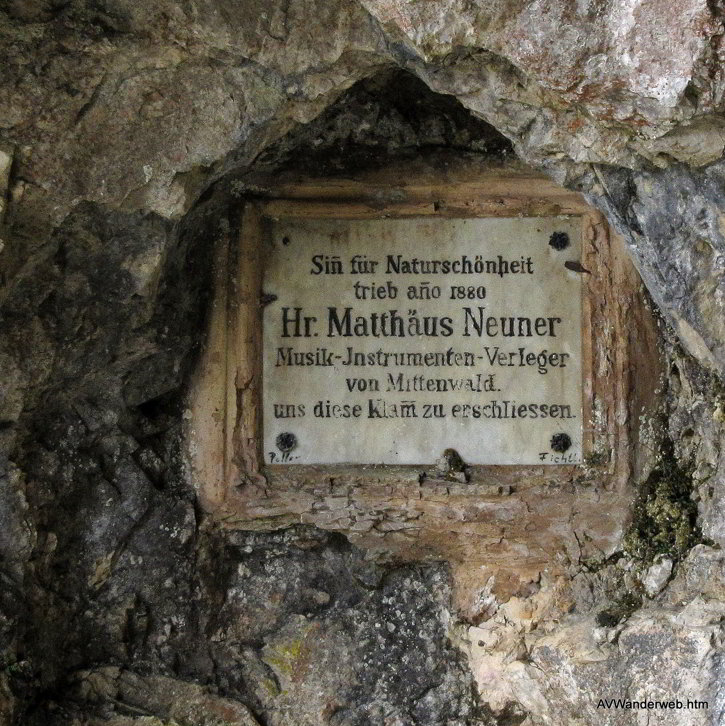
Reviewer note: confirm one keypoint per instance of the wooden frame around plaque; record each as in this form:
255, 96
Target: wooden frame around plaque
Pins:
619, 348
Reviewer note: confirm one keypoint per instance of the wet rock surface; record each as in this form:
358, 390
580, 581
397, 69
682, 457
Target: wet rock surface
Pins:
128, 131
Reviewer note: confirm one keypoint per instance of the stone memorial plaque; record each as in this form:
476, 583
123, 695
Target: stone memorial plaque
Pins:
388, 341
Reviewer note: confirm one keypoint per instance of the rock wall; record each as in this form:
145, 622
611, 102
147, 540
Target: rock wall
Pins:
128, 132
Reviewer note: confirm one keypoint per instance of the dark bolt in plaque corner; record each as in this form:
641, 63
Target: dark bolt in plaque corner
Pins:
560, 442
559, 240
286, 241
286, 442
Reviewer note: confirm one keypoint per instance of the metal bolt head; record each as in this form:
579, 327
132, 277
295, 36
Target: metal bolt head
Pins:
560, 442
559, 240
286, 442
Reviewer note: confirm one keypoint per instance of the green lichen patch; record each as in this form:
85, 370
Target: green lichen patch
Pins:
285, 656
665, 516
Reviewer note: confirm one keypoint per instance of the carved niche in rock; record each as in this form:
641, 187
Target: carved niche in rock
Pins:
444, 358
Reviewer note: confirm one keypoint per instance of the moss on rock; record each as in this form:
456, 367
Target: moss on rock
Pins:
665, 516
620, 610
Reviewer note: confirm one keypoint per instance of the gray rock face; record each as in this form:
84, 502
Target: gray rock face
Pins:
339, 640
118, 596
673, 221
657, 575
126, 129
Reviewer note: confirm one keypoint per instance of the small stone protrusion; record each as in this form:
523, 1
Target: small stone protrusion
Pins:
657, 575
452, 467
6, 162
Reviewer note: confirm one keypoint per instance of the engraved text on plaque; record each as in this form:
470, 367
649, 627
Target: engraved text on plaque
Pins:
390, 340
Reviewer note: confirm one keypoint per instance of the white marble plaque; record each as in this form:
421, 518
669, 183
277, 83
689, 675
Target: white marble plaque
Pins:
391, 340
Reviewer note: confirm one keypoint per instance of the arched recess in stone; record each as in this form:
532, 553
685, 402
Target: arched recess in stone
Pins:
387, 119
